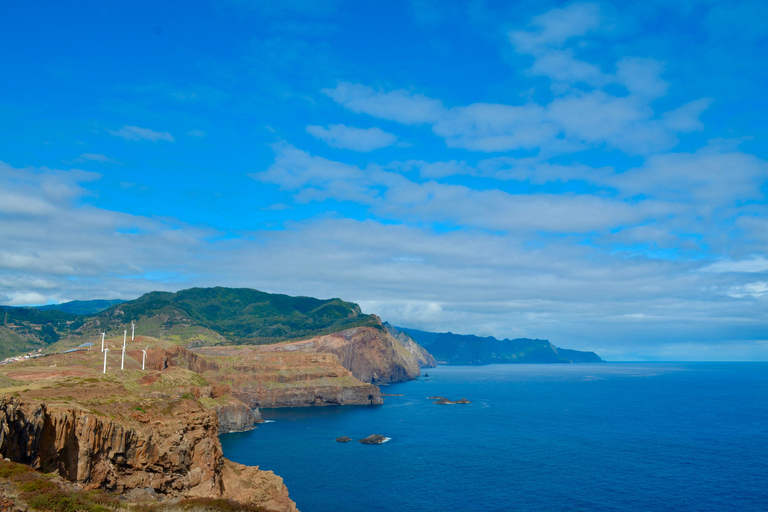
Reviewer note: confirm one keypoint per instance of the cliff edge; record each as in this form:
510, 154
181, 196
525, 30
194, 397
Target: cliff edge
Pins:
113, 432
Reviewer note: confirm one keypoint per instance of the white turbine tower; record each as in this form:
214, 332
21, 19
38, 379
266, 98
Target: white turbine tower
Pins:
144, 357
133, 329
105, 359
122, 363
102, 342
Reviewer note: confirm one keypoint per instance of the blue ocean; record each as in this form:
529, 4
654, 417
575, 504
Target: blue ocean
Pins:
602, 437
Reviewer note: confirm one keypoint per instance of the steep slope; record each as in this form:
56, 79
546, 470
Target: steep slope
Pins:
370, 353
452, 348
124, 432
262, 378
423, 358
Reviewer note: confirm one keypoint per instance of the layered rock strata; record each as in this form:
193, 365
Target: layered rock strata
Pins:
171, 449
262, 378
370, 353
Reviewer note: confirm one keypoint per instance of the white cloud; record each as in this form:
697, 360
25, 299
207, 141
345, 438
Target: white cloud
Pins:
755, 264
394, 196
93, 157
583, 113
468, 281
754, 289
349, 137
402, 106
317, 178
686, 118
707, 176
641, 77
137, 133
487, 127
433, 170
57, 245
556, 26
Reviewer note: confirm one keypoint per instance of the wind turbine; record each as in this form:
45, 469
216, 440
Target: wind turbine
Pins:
102, 342
105, 359
133, 329
122, 362
144, 357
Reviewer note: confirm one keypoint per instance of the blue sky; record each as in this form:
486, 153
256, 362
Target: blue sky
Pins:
590, 173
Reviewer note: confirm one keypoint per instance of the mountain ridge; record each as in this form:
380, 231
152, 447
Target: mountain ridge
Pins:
450, 348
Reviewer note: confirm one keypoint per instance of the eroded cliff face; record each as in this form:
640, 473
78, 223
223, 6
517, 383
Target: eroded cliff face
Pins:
423, 358
236, 417
370, 353
171, 449
262, 378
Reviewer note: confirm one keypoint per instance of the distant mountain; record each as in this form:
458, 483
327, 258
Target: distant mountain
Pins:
469, 349
81, 307
423, 357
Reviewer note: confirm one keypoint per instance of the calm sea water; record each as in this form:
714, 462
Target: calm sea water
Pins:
604, 437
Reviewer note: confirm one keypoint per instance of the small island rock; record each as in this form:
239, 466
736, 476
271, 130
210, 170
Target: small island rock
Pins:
441, 400
373, 439
343, 439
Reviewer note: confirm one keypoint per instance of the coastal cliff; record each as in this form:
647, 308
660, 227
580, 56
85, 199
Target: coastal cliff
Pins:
423, 358
370, 353
261, 378
165, 448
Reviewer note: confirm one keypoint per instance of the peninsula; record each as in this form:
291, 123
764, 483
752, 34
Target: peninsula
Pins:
141, 419
201, 362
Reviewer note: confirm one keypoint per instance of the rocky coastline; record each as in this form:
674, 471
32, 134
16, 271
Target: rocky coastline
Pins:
169, 450
152, 434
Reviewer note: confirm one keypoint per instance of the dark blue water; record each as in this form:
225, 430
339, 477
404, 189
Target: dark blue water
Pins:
607, 437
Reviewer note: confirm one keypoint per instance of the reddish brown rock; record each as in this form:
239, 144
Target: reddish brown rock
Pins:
172, 449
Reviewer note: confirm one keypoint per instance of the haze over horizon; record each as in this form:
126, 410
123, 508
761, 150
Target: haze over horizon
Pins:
589, 173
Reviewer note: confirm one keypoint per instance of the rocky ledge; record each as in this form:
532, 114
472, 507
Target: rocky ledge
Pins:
166, 448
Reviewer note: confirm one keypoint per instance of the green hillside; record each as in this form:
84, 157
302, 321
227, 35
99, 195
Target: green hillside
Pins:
205, 316
196, 317
25, 329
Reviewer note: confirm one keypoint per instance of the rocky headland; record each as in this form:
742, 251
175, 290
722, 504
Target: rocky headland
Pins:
149, 438
153, 433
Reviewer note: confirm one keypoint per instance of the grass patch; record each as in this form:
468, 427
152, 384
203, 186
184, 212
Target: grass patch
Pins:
61, 500
12, 469
201, 505
42, 493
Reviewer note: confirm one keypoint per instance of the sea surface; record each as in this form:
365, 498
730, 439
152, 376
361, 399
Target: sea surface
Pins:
585, 437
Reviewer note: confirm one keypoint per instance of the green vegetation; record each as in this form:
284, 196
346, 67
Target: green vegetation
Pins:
23, 330
208, 316
43, 492
194, 317
201, 505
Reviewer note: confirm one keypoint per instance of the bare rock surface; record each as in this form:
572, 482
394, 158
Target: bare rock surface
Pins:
370, 353
441, 400
172, 450
373, 439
